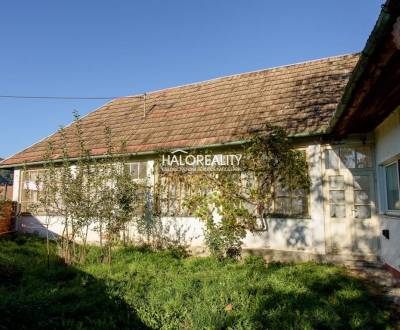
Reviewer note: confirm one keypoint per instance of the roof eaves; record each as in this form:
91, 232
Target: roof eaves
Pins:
131, 154
383, 23
156, 152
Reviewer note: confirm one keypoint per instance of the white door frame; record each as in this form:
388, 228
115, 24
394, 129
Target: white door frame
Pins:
345, 233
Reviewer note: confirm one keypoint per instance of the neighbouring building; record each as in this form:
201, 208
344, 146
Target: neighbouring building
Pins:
343, 111
6, 183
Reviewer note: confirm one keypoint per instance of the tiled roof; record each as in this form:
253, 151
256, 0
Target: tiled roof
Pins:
299, 97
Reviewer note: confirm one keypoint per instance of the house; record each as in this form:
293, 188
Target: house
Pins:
6, 182
342, 111
370, 106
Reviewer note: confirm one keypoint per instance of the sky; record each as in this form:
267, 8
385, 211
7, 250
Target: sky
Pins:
97, 48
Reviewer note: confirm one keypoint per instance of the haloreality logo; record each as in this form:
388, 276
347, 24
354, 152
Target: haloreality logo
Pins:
182, 160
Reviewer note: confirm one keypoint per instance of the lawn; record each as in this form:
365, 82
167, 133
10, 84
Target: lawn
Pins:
152, 290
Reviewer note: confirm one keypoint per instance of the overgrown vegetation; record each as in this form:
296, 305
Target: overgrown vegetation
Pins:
165, 290
237, 202
87, 194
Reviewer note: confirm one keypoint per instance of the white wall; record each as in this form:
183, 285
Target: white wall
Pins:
387, 138
282, 234
17, 176
387, 147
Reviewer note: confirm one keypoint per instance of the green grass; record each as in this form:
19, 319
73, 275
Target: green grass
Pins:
144, 289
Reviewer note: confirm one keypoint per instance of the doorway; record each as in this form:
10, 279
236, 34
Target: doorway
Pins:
351, 222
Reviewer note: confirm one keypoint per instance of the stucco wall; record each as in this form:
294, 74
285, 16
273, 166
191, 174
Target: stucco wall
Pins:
282, 234
387, 138
387, 145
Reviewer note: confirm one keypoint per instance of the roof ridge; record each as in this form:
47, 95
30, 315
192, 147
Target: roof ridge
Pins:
240, 74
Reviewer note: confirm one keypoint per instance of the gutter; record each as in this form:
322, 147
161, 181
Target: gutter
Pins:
141, 153
385, 20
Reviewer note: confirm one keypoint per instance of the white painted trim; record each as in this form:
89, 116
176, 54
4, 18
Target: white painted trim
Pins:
17, 185
316, 196
385, 208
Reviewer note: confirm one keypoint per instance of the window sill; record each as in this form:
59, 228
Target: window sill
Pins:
393, 214
176, 216
289, 217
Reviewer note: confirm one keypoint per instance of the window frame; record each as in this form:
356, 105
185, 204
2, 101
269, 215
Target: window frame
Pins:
356, 151
292, 195
181, 190
138, 164
25, 204
388, 211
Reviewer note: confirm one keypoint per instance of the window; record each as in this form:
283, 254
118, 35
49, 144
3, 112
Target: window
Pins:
30, 191
287, 203
347, 157
292, 203
337, 204
393, 186
173, 192
138, 170
362, 196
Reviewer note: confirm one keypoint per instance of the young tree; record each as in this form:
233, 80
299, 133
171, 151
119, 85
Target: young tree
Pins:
119, 200
86, 193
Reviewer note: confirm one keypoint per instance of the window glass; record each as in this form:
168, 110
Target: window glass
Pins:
360, 197
348, 157
336, 196
337, 211
282, 205
359, 157
362, 211
337, 206
173, 192
362, 193
336, 182
331, 159
142, 170
30, 190
300, 206
135, 170
392, 186
364, 159
290, 202
139, 170
281, 190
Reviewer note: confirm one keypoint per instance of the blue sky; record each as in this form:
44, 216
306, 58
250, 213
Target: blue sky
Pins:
112, 48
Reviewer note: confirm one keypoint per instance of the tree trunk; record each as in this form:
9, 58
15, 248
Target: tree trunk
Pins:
48, 246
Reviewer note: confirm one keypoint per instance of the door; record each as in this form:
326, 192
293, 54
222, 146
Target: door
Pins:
365, 226
351, 224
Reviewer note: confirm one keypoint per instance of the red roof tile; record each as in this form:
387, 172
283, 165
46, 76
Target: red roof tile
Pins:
300, 97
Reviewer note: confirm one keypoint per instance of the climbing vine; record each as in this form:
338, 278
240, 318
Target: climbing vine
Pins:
232, 203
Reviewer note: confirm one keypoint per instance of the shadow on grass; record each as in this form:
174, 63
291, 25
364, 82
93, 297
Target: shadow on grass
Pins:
61, 297
168, 290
